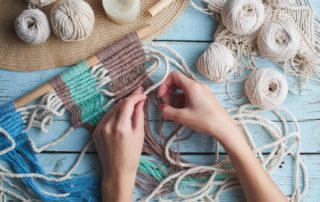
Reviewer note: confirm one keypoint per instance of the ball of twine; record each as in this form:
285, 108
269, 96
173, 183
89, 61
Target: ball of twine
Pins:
32, 26
72, 20
266, 88
243, 17
217, 63
278, 41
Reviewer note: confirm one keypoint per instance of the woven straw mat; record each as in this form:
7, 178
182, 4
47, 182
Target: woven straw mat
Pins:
17, 56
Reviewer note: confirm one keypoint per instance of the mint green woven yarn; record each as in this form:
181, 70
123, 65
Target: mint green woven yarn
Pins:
84, 92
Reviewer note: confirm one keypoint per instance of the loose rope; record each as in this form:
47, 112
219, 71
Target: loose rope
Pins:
280, 148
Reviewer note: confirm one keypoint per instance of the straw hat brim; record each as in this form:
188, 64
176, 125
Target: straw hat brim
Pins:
17, 56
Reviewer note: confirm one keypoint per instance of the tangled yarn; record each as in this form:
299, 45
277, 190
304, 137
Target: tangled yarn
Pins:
72, 20
217, 63
40, 2
278, 41
243, 17
266, 88
32, 26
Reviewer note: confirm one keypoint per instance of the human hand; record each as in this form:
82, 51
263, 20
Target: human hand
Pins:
119, 140
195, 107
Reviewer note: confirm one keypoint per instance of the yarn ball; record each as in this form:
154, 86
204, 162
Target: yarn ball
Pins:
72, 20
38, 3
217, 63
243, 17
266, 88
278, 41
32, 26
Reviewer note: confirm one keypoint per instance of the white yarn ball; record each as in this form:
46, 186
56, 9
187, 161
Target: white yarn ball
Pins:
72, 20
32, 26
243, 17
266, 88
278, 41
217, 63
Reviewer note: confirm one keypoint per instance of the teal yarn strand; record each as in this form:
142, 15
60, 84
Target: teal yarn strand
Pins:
160, 171
84, 93
156, 170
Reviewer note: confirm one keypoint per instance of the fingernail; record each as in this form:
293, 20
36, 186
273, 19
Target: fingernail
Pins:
162, 107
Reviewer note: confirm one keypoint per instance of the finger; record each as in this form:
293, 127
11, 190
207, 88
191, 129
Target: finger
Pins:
138, 121
172, 113
139, 90
108, 118
167, 99
166, 89
174, 79
127, 108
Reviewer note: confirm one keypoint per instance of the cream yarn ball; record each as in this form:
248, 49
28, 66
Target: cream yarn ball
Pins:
32, 26
217, 63
278, 41
243, 17
72, 20
266, 88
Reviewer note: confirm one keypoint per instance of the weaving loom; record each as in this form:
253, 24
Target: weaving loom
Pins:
86, 90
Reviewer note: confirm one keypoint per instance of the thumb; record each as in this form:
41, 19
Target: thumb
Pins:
171, 113
138, 122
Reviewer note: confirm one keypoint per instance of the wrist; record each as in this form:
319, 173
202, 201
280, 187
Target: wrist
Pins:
226, 134
118, 188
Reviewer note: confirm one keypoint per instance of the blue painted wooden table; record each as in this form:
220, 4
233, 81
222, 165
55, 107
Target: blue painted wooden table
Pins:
190, 36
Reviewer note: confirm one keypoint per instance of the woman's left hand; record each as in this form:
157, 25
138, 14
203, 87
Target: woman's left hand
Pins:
119, 140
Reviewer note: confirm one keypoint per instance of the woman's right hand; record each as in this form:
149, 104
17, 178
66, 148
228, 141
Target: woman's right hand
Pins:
198, 109
195, 107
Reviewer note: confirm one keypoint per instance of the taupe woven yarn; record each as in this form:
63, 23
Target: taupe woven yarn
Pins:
17, 56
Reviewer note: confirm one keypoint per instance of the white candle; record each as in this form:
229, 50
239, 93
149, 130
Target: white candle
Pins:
122, 11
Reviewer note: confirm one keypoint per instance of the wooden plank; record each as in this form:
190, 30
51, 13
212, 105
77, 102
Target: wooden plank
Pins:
283, 176
195, 26
191, 26
304, 104
198, 143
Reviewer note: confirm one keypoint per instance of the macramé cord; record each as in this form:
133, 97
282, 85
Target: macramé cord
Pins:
286, 141
288, 36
